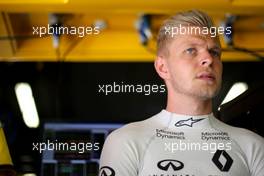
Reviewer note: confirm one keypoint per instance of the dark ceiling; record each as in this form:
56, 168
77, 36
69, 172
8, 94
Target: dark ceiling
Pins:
69, 92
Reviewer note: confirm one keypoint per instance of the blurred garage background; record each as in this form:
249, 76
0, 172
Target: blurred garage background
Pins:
64, 73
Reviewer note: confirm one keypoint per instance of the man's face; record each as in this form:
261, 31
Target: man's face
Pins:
194, 65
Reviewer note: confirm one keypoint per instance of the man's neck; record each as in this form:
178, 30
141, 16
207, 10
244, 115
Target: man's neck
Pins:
182, 104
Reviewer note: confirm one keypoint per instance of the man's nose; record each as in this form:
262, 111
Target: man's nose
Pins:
206, 59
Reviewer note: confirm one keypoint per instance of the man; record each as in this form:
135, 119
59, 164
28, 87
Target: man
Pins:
185, 139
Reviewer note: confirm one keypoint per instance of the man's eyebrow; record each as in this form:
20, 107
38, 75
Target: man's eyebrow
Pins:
216, 47
200, 42
192, 44
194, 41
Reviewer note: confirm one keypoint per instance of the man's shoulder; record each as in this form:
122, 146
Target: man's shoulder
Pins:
135, 131
241, 135
136, 128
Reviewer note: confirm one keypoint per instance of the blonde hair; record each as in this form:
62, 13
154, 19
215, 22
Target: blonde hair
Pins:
189, 18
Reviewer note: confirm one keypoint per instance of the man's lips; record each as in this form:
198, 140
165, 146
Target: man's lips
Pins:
206, 76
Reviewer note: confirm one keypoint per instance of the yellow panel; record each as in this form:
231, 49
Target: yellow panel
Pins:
238, 57
33, 1
248, 3
108, 46
120, 40
250, 40
5, 158
129, 6
7, 47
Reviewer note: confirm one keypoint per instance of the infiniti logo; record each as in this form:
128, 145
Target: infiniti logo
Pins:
106, 171
169, 163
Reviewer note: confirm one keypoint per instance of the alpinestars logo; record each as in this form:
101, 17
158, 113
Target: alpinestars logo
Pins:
106, 171
167, 164
224, 167
189, 122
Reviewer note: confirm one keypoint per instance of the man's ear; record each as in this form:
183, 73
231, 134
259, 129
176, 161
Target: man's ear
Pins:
161, 67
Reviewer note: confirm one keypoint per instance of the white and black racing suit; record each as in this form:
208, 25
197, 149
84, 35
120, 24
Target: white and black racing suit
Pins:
170, 144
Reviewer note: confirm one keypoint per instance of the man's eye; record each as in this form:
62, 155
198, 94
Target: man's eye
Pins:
215, 53
190, 50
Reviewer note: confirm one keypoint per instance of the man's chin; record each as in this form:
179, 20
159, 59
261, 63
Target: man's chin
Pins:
207, 94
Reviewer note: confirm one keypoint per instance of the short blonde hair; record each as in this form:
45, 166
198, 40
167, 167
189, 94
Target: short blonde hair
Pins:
189, 18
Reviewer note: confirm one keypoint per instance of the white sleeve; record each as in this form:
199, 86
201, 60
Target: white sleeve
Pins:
119, 156
257, 158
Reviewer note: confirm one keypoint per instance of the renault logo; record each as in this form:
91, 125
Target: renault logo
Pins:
106, 171
224, 167
166, 164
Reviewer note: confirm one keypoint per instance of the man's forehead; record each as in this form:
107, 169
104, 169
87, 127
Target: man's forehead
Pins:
198, 40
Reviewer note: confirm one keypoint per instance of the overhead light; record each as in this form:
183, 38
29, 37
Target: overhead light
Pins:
237, 89
29, 174
27, 104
